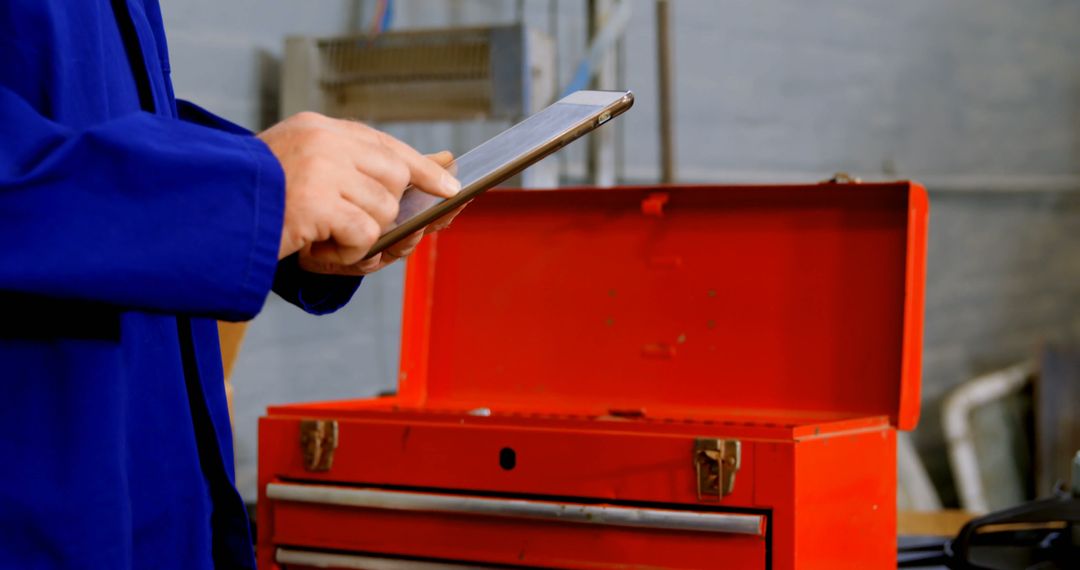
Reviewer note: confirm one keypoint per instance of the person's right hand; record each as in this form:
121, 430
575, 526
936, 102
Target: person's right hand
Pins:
343, 184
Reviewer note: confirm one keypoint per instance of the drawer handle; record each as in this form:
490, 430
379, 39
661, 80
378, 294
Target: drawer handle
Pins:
666, 519
359, 562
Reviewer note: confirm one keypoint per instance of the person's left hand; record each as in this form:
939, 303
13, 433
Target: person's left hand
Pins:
397, 251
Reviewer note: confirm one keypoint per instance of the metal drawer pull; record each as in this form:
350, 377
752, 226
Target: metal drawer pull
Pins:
667, 519
351, 561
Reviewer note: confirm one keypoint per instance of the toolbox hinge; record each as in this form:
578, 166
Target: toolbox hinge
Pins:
716, 462
318, 440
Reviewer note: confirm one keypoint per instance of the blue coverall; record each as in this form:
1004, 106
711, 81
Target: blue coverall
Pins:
128, 222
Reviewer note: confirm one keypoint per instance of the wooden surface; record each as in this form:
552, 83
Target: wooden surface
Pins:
231, 336
931, 523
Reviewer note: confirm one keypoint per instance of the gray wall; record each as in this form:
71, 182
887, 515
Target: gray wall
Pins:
977, 98
1003, 280
920, 88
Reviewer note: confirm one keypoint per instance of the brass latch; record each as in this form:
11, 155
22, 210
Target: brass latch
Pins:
318, 440
716, 461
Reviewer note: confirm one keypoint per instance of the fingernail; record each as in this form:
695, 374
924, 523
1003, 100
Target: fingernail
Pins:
450, 184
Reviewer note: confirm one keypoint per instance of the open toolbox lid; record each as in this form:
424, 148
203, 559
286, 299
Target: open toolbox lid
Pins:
675, 302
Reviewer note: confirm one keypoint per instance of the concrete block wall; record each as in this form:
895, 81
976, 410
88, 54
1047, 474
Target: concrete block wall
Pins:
979, 99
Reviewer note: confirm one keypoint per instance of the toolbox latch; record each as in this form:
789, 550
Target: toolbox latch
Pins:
318, 440
716, 462
842, 178
653, 204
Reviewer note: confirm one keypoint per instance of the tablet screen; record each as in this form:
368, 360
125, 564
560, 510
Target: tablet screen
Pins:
500, 151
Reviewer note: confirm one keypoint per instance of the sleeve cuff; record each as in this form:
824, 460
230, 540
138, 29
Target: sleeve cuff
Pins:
269, 211
313, 292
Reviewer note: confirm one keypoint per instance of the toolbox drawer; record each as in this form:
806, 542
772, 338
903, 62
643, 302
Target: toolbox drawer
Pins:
511, 530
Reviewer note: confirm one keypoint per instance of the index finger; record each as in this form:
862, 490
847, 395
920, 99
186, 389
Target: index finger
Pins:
424, 173
427, 175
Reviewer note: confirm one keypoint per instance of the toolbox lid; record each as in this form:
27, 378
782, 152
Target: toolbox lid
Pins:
685, 301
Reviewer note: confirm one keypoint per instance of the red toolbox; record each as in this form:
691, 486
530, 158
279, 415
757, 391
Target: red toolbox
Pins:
672, 377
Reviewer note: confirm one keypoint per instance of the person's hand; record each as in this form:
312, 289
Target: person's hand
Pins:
343, 185
406, 246
400, 249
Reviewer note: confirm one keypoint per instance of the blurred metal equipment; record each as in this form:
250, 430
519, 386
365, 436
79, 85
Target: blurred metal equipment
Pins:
1057, 415
1037, 535
663, 85
607, 20
1076, 475
960, 436
445, 74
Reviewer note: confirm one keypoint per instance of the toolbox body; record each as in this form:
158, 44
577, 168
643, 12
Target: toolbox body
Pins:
663, 377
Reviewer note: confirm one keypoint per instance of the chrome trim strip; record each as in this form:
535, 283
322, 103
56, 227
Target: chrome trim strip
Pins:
357, 562
666, 519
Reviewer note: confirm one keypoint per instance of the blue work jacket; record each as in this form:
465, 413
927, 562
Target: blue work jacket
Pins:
128, 222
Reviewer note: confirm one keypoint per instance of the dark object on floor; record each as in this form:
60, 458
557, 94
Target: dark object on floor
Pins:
1043, 534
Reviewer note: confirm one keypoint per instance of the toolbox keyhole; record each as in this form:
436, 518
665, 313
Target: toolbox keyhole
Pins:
507, 458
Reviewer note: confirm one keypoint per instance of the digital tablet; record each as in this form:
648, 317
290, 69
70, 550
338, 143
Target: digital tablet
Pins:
507, 154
